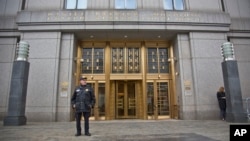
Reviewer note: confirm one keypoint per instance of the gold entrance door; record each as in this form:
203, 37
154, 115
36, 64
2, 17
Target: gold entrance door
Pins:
162, 100
125, 99
158, 100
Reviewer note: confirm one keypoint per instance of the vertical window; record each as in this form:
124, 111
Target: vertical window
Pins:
163, 60
168, 4
152, 60
87, 60
23, 4
133, 60
101, 99
125, 60
118, 60
158, 60
125, 4
173, 4
92, 85
92, 60
98, 61
223, 5
76, 4
150, 98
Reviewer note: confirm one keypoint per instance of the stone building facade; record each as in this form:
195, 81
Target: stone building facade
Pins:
145, 59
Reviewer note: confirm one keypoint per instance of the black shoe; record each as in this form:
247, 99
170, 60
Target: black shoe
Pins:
78, 134
87, 134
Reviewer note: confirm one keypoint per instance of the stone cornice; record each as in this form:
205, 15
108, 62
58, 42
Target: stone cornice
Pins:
122, 19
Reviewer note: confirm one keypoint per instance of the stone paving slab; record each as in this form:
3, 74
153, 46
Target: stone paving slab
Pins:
120, 130
155, 137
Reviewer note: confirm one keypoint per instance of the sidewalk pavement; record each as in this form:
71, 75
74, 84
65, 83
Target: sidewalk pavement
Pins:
120, 130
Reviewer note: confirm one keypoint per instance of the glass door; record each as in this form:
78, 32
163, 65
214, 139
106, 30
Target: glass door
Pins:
125, 99
150, 100
158, 100
99, 110
101, 101
162, 99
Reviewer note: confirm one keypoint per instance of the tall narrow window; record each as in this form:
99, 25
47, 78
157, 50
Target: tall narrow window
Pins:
173, 4
152, 60
101, 99
87, 60
133, 60
76, 4
118, 60
150, 98
158, 60
92, 60
23, 4
223, 5
163, 60
125, 4
98, 61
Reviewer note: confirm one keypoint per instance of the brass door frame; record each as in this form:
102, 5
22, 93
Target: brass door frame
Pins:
169, 105
95, 111
155, 104
140, 79
126, 102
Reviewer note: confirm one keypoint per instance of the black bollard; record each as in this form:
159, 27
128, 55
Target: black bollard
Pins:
17, 97
235, 112
18, 87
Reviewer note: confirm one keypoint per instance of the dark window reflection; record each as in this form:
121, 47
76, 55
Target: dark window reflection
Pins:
158, 60
92, 60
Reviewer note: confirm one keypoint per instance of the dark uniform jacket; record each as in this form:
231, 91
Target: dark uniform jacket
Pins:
221, 100
83, 98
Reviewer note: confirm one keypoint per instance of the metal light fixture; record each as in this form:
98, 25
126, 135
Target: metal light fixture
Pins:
227, 51
22, 51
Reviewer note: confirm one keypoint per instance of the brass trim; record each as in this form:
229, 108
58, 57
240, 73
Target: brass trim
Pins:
124, 102
96, 110
173, 101
155, 100
143, 109
125, 76
158, 76
141, 78
94, 77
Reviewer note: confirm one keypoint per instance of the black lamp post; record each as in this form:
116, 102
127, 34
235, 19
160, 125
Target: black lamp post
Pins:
18, 87
235, 112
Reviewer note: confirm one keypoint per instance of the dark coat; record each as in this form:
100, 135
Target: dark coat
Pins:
83, 98
221, 96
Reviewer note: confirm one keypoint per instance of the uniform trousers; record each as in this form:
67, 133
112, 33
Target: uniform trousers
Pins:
86, 116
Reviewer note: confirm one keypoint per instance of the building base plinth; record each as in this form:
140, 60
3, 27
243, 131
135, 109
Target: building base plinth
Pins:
236, 117
14, 121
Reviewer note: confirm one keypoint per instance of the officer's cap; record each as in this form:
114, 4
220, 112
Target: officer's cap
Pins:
83, 78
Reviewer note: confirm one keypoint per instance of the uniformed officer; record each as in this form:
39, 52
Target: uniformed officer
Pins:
82, 100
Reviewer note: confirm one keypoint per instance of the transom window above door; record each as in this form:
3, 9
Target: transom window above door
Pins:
125, 4
92, 60
76, 4
125, 60
158, 60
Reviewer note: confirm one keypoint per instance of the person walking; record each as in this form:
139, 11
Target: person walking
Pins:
221, 96
82, 100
